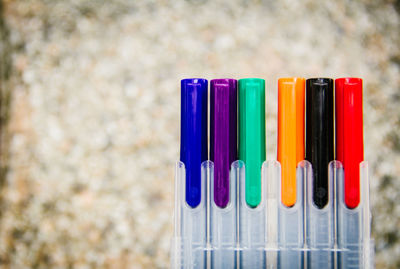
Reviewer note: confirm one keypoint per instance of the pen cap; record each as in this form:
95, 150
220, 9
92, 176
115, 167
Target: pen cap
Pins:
193, 135
349, 135
319, 134
252, 135
291, 102
223, 135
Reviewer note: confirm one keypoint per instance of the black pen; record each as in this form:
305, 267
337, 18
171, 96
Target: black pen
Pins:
319, 134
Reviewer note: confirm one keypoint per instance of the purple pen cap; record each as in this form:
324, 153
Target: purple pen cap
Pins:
223, 135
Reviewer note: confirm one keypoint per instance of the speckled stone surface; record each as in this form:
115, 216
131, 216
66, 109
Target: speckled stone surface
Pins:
94, 119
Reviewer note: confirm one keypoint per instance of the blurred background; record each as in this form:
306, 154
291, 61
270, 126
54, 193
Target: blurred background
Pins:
90, 107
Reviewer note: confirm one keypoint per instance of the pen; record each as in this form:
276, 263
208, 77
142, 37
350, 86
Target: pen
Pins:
252, 135
319, 134
349, 135
223, 135
290, 134
194, 148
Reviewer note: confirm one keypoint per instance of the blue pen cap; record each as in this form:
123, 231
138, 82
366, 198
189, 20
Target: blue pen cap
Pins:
194, 148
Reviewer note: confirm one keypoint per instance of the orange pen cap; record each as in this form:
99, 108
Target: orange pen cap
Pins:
291, 102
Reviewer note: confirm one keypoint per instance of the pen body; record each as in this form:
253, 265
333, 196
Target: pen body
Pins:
291, 92
193, 135
223, 135
252, 135
319, 134
349, 135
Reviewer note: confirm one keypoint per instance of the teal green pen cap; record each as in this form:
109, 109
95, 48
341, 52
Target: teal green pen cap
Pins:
252, 135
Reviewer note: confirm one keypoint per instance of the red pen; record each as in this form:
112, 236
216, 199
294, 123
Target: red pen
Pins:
349, 135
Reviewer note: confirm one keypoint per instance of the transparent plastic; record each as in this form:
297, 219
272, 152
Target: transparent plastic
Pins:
272, 235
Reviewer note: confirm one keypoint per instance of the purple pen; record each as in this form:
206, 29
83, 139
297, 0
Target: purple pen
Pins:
223, 135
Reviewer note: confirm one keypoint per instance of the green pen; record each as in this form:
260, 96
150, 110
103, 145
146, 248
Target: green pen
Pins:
252, 134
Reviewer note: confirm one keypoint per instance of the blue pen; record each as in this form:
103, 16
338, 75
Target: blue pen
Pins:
194, 146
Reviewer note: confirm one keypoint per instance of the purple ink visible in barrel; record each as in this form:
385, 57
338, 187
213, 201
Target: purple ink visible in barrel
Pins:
223, 135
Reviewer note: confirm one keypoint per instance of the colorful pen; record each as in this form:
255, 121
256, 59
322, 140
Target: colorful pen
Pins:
252, 135
349, 135
290, 134
223, 135
319, 134
193, 135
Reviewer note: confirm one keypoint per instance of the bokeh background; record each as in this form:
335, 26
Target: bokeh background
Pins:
90, 112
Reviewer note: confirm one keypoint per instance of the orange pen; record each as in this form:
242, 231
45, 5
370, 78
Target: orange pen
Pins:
291, 102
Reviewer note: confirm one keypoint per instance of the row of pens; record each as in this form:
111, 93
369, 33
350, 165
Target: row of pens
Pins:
319, 120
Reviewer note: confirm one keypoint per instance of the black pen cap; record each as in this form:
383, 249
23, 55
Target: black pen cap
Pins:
319, 134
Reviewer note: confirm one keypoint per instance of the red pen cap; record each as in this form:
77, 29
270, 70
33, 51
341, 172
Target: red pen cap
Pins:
349, 135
